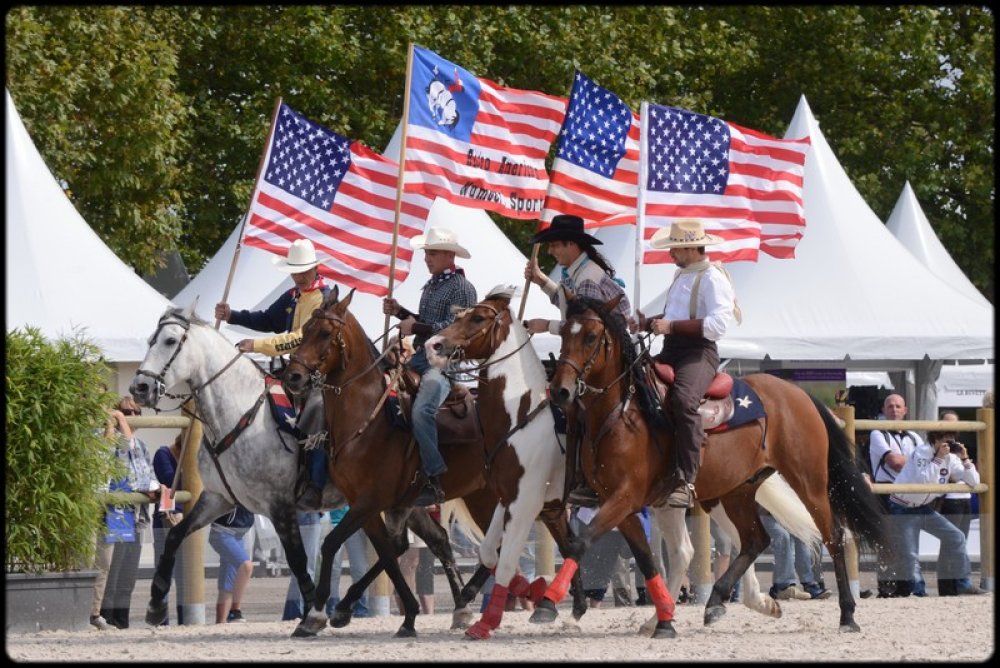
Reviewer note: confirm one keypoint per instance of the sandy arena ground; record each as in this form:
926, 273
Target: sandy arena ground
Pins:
953, 629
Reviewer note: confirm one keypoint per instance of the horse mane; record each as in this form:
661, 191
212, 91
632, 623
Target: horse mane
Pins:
616, 325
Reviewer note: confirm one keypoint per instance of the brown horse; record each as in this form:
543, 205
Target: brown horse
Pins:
628, 461
526, 462
372, 462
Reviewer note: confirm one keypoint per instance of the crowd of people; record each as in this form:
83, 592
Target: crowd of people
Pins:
699, 307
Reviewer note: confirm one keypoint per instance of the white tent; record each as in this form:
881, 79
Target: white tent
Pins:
256, 283
61, 277
853, 297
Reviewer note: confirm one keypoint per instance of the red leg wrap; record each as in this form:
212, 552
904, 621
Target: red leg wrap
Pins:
537, 590
661, 598
491, 616
557, 590
518, 585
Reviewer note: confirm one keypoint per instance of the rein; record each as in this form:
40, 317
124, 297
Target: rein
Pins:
458, 353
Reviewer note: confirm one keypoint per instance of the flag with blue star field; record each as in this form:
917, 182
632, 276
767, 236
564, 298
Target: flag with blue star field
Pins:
595, 174
745, 186
475, 143
339, 194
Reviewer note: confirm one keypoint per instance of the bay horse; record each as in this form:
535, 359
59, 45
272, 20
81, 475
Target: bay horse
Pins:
628, 461
373, 462
243, 458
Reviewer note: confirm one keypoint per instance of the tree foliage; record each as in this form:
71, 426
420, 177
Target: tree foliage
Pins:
155, 118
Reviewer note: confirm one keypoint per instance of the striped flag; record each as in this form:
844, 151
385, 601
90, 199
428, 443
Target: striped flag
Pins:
596, 171
337, 193
744, 185
477, 144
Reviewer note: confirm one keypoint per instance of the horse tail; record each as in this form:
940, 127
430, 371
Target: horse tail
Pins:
851, 498
778, 497
455, 510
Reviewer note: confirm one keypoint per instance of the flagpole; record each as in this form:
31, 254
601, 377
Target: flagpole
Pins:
239, 239
527, 283
399, 186
640, 208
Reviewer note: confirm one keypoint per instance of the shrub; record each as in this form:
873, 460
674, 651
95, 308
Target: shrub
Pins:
58, 460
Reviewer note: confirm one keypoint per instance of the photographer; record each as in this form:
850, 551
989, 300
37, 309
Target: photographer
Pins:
956, 507
932, 462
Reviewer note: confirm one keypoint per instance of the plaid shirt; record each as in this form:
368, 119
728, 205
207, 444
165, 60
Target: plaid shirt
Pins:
440, 293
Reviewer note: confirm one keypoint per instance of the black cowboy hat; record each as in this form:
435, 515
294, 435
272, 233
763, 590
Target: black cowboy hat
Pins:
565, 228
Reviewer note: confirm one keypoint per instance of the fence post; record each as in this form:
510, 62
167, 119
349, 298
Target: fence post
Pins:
701, 565
851, 559
987, 499
192, 599
545, 551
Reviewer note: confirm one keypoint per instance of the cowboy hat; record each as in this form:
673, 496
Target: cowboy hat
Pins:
301, 257
565, 228
683, 234
439, 238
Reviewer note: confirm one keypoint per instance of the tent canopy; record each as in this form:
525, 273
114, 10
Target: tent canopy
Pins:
61, 278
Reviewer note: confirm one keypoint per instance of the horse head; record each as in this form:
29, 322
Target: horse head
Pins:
324, 348
476, 332
590, 340
165, 364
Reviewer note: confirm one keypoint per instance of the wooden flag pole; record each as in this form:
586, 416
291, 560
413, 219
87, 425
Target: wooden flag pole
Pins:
640, 209
399, 187
527, 284
256, 183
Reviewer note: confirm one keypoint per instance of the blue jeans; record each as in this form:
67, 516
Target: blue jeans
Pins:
434, 389
316, 461
159, 543
357, 554
229, 545
793, 560
309, 529
953, 562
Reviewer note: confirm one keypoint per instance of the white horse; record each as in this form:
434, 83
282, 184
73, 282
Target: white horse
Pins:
243, 457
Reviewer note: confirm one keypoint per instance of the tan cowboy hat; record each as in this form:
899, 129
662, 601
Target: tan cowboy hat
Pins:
301, 257
439, 238
683, 234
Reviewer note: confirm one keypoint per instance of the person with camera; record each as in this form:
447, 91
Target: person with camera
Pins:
956, 507
932, 462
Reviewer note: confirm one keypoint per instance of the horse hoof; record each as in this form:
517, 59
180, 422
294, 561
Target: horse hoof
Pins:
478, 631
648, 627
714, 614
406, 632
852, 627
156, 613
340, 619
545, 612
664, 630
311, 625
462, 619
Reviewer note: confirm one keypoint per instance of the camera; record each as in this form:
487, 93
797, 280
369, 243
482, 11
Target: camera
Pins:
954, 446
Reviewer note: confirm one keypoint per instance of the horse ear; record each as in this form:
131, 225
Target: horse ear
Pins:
347, 300
610, 305
331, 298
189, 312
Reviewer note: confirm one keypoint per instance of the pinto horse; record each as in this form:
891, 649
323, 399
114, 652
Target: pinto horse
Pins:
244, 458
374, 463
628, 461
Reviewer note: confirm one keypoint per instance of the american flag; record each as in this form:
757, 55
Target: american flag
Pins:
475, 143
744, 185
337, 193
596, 171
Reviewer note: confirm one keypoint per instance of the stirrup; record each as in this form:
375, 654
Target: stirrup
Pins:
313, 441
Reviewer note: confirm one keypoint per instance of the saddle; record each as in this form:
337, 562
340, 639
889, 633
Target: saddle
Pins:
716, 407
457, 419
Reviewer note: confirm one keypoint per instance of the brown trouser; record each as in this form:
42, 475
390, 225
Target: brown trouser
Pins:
695, 362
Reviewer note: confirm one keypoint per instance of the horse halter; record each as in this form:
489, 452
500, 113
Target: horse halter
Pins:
581, 385
160, 378
492, 325
315, 373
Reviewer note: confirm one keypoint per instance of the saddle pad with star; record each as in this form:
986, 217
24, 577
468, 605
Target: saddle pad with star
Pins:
281, 406
745, 405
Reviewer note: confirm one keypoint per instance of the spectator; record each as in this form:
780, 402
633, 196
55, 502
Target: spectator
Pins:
285, 317
793, 560
124, 569
889, 450
600, 558
932, 462
165, 463
309, 530
725, 552
988, 399
956, 507
356, 549
409, 562
235, 566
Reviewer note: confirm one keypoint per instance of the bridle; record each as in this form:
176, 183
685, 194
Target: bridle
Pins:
491, 327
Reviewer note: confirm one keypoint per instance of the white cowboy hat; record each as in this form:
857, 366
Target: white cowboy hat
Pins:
683, 234
301, 257
439, 238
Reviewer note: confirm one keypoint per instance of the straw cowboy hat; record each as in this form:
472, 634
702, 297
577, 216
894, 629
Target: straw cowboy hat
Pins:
683, 234
565, 228
439, 238
301, 257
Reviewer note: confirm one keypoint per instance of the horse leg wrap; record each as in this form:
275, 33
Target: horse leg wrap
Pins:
557, 590
661, 598
518, 585
491, 616
536, 592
